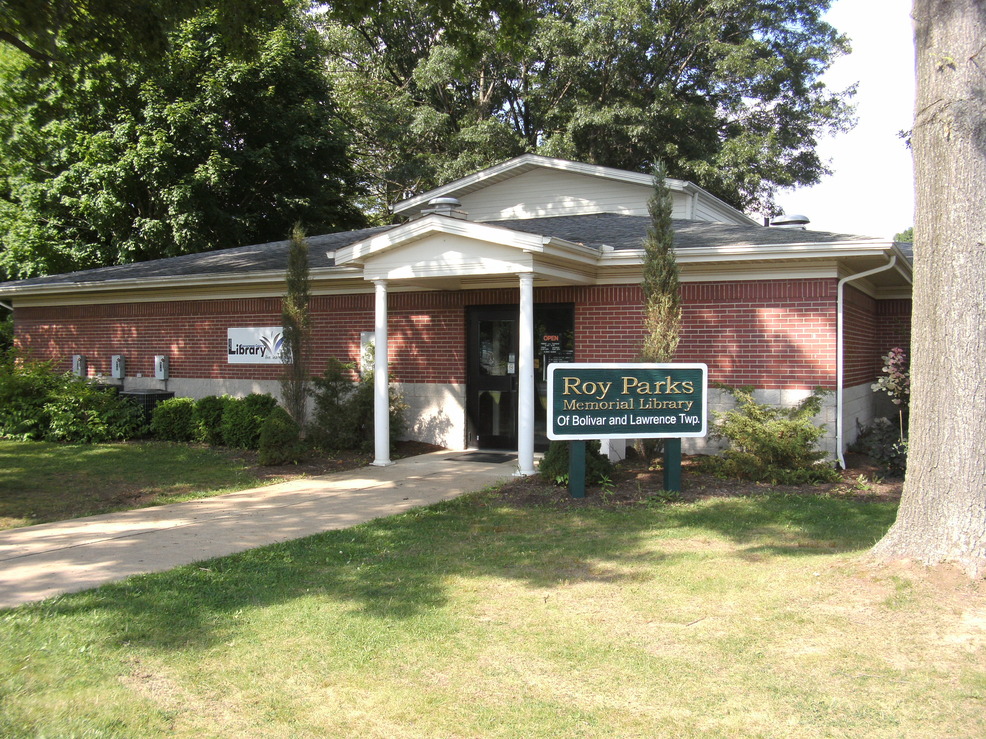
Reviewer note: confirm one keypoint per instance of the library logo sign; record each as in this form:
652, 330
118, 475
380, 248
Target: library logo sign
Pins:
255, 345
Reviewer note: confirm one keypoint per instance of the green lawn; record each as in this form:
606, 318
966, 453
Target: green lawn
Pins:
724, 617
42, 481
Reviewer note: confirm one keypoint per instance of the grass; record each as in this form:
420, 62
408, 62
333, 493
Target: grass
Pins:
41, 482
724, 617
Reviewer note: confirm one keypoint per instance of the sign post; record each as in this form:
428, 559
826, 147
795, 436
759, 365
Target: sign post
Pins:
629, 401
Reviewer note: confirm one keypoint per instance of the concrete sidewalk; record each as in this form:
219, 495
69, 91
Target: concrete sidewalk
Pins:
38, 562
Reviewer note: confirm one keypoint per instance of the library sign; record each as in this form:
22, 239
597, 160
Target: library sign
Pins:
627, 401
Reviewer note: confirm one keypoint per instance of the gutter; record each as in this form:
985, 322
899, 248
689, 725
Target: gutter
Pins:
840, 353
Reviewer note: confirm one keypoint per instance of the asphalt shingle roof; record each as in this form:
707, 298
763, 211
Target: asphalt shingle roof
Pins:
618, 231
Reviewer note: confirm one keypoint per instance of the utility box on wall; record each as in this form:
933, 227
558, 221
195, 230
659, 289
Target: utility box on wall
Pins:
118, 366
160, 367
79, 366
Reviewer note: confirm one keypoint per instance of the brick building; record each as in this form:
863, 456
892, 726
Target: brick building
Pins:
488, 280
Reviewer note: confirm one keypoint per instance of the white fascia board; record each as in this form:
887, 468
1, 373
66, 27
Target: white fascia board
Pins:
435, 224
524, 163
571, 251
691, 187
270, 277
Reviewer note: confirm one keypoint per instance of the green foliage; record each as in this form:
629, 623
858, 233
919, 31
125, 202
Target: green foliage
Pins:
81, 412
906, 236
243, 418
120, 160
728, 94
884, 443
280, 439
175, 419
6, 331
209, 414
768, 444
36, 403
554, 465
344, 415
662, 295
296, 321
55, 32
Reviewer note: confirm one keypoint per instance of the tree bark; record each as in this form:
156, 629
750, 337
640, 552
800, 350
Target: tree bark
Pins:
942, 516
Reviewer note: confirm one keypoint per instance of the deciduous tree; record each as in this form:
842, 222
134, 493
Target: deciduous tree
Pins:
727, 94
942, 516
116, 159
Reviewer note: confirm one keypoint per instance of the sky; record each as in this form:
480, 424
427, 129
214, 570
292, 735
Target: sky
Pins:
871, 190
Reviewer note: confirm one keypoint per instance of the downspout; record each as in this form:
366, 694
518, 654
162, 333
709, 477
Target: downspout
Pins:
7, 306
840, 352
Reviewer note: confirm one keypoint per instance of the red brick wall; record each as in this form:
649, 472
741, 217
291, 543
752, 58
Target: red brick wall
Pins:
872, 328
771, 334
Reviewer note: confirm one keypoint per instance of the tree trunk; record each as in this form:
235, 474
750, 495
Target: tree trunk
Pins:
942, 515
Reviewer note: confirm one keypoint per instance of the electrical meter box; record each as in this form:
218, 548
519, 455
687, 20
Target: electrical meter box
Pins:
79, 365
160, 367
118, 366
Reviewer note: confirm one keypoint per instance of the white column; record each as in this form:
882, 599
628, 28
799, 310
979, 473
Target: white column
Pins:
525, 378
381, 380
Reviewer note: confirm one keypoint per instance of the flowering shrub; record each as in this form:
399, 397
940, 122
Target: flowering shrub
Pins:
896, 380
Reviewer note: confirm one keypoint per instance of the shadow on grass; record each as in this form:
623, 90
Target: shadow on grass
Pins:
400, 568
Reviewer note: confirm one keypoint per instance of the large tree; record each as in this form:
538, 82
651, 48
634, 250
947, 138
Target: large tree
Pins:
61, 31
108, 159
728, 94
942, 516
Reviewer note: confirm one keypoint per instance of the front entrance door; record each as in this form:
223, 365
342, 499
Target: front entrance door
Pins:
492, 378
493, 364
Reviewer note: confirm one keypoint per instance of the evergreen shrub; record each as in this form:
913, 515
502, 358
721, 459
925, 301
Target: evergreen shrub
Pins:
280, 439
175, 419
209, 412
343, 417
554, 465
243, 419
768, 444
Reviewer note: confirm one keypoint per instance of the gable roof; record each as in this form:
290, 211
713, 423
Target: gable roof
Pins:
601, 232
605, 177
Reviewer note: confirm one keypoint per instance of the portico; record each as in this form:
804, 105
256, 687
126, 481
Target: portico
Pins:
447, 252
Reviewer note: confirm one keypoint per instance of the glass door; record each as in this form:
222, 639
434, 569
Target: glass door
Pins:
492, 378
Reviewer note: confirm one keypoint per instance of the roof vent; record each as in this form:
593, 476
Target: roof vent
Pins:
794, 221
450, 207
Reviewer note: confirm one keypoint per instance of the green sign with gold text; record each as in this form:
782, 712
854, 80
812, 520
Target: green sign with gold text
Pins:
627, 401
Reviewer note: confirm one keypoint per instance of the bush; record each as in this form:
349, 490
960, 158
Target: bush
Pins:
883, 442
175, 419
38, 403
343, 416
280, 439
767, 444
209, 412
554, 464
244, 417
25, 388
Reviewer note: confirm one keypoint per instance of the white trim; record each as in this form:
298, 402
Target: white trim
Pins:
358, 252
528, 162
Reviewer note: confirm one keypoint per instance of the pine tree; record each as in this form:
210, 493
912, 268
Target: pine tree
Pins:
662, 298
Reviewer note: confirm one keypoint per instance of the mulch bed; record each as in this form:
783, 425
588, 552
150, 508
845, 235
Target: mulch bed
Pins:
339, 461
635, 483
